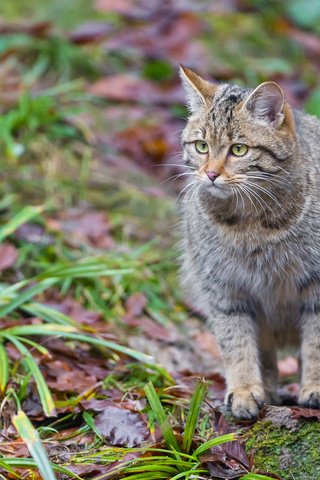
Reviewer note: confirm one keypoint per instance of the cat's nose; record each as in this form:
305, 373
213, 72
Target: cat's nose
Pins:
212, 175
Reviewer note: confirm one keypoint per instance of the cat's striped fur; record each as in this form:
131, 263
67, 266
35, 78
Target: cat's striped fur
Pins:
251, 239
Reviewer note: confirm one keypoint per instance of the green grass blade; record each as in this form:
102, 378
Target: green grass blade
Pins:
87, 417
43, 390
24, 216
31, 438
5, 466
255, 476
6, 462
21, 298
48, 314
229, 437
144, 476
188, 473
68, 331
161, 417
4, 368
193, 415
98, 267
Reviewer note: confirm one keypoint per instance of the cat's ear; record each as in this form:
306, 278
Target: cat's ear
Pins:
266, 103
199, 91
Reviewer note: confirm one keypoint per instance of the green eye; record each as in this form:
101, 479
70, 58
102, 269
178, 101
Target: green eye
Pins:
201, 147
239, 149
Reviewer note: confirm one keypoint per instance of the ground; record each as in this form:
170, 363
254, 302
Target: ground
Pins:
91, 309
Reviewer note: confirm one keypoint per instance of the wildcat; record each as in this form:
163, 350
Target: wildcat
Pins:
251, 233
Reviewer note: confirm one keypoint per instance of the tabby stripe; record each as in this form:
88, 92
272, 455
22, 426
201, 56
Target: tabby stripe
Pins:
271, 153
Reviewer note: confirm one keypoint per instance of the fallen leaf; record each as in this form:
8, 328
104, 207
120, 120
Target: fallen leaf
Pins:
122, 427
135, 304
208, 342
83, 227
229, 460
91, 32
308, 413
123, 87
8, 256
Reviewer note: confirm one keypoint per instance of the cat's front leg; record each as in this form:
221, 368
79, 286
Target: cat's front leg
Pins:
310, 356
236, 336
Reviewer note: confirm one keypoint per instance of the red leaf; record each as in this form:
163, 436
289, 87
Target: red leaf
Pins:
300, 412
128, 88
8, 256
122, 427
91, 32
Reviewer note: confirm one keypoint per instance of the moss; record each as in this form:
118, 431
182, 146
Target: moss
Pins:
290, 454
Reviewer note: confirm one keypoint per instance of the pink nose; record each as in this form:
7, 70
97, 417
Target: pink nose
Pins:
212, 175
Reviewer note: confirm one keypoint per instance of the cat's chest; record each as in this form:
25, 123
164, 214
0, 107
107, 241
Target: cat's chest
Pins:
242, 262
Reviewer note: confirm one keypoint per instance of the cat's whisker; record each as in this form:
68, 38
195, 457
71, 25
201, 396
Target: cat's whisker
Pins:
186, 187
235, 196
195, 192
285, 171
173, 165
264, 190
266, 177
247, 192
175, 177
257, 198
271, 181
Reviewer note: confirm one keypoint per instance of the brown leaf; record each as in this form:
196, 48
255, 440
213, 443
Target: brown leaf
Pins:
123, 87
33, 233
84, 227
207, 341
122, 427
8, 256
229, 460
69, 380
135, 304
91, 32
308, 413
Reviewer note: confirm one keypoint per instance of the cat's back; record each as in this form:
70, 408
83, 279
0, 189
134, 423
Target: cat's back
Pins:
308, 134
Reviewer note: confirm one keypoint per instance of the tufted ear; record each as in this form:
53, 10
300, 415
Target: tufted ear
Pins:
266, 103
199, 92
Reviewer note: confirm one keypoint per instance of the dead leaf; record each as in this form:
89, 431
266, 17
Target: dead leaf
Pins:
91, 32
8, 256
122, 427
123, 87
135, 304
208, 342
229, 460
83, 227
308, 413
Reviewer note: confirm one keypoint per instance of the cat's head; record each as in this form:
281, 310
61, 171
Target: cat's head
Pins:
236, 138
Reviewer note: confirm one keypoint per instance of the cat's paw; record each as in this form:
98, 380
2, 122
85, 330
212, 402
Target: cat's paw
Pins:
309, 396
246, 401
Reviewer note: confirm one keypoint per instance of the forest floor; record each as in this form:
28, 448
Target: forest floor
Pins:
91, 310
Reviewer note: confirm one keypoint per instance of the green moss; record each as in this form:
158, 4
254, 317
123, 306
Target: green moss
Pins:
290, 454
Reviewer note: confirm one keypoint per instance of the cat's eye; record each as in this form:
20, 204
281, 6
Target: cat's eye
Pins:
238, 149
201, 147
